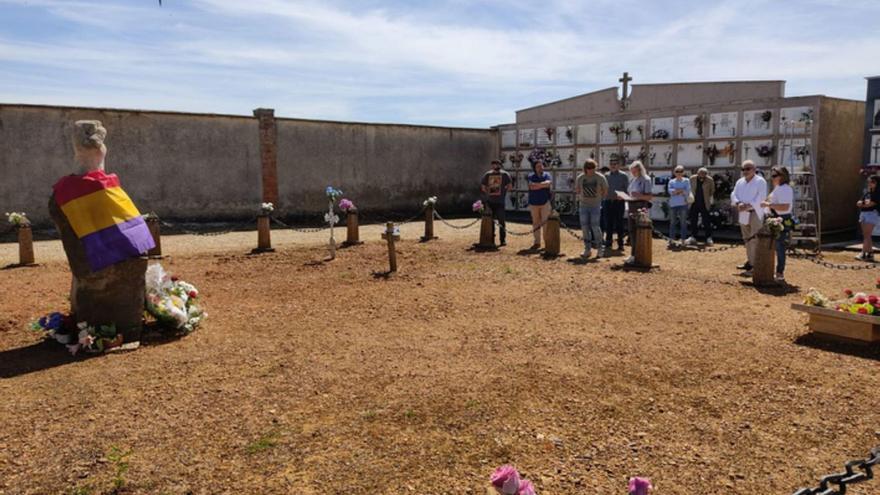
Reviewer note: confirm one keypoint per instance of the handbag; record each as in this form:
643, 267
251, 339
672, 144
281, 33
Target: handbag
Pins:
691, 199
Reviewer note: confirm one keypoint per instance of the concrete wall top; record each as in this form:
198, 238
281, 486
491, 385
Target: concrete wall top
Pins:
651, 98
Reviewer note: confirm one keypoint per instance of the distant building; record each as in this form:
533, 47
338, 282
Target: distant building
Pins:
712, 124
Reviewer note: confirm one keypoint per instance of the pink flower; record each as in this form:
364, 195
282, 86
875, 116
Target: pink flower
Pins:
477, 206
848, 292
505, 479
872, 299
345, 204
861, 300
526, 488
639, 486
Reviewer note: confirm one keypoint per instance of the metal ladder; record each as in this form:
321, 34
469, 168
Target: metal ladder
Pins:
808, 232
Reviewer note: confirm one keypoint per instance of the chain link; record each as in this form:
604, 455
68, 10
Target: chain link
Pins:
530, 232
459, 227
818, 259
855, 471
298, 229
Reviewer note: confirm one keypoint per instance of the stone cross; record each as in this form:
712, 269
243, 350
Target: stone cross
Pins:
624, 100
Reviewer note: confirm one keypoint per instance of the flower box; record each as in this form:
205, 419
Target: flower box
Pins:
841, 324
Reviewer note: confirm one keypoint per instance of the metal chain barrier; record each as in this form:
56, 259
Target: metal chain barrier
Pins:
206, 234
298, 229
571, 230
818, 259
459, 227
530, 232
384, 220
855, 471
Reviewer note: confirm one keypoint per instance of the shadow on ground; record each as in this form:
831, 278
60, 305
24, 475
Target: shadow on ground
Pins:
857, 349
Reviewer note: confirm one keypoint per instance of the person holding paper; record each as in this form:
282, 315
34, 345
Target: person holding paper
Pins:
748, 194
640, 196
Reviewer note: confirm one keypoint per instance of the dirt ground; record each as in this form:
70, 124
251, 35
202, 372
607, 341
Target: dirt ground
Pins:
315, 377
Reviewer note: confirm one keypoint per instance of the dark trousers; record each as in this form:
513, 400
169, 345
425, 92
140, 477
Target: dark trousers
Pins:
613, 212
499, 214
699, 211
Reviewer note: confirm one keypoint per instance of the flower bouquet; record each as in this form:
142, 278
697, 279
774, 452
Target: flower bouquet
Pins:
774, 226
766, 115
660, 134
430, 201
58, 326
478, 206
346, 205
80, 336
18, 219
266, 208
538, 155
333, 194
171, 301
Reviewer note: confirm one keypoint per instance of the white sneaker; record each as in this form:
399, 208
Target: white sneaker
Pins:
709, 241
691, 241
779, 277
630, 261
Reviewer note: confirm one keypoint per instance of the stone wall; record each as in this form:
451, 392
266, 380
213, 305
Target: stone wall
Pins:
208, 167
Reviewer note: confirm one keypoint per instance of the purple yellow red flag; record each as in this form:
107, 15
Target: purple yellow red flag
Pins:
103, 217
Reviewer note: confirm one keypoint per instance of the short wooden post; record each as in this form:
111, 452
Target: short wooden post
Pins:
551, 235
25, 245
429, 223
644, 250
392, 254
487, 230
264, 240
153, 224
765, 259
352, 232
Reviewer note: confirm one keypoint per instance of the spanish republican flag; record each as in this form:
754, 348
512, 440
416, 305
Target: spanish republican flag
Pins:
103, 217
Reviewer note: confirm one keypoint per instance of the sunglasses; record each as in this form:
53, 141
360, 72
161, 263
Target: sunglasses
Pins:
774, 175
746, 169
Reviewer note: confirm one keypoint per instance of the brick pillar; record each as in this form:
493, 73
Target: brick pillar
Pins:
268, 153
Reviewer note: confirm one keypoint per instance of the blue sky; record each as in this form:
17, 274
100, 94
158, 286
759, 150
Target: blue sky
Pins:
449, 62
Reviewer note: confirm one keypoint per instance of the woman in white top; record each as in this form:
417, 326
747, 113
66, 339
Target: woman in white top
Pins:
780, 203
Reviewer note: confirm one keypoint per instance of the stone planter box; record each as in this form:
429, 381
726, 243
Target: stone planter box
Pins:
840, 324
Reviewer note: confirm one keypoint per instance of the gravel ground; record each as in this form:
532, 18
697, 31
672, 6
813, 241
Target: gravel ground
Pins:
328, 377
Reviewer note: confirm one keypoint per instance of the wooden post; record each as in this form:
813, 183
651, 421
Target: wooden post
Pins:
644, 252
153, 225
765, 259
25, 245
392, 254
352, 233
551, 235
487, 230
429, 223
264, 240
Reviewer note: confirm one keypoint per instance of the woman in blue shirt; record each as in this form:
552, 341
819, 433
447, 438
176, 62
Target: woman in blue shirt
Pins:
539, 200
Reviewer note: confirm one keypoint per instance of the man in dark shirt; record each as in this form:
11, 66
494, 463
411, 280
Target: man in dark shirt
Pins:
495, 185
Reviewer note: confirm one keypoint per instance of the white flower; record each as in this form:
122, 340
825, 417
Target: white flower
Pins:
430, 201
73, 349
82, 325
267, 207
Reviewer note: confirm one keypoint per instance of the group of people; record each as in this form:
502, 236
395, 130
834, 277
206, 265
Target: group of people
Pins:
604, 197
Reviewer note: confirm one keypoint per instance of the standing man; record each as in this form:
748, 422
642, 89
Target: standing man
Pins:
703, 188
591, 189
613, 206
495, 185
748, 194
539, 200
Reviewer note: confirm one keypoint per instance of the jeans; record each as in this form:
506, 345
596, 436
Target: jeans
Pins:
701, 213
592, 231
540, 214
678, 218
782, 242
499, 214
613, 211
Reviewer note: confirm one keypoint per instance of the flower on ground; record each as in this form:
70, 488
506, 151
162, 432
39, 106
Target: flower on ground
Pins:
639, 486
73, 349
526, 488
506, 480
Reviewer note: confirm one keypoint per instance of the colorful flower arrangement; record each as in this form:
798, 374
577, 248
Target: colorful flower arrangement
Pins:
18, 219
563, 204
333, 194
639, 486
346, 205
806, 116
765, 150
699, 120
802, 152
660, 134
507, 481
171, 301
643, 216
617, 129
766, 115
516, 159
712, 153
569, 133
478, 206
641, 130
550, 131
430, 201
538, 155
78, 336
266, 208
853, 302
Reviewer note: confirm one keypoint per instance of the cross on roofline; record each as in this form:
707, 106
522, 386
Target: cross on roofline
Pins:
624, 99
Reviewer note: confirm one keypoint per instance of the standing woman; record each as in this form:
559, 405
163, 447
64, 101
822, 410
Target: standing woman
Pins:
869, 205
640, 191
679, 191
779, 204
539, 200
